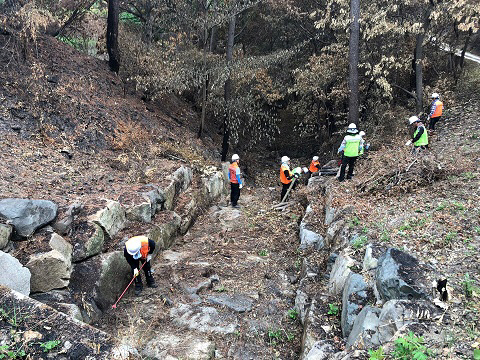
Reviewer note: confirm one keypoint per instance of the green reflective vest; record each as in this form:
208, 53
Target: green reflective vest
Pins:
352, 145
423, 139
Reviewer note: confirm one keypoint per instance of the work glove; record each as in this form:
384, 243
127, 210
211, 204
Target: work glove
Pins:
296, 176
135, 272
408, 143
240, 186
149, 257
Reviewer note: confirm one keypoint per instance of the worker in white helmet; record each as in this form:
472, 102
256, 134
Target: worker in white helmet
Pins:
420, 136
351, 149
436, 110
138, 251
235, 180
286, 176
313, 168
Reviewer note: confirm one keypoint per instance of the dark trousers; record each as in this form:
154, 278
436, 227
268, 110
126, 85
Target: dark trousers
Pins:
285, 188
234, 193
351, 164
433, 121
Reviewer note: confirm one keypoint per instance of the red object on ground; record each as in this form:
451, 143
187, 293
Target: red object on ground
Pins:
114, 306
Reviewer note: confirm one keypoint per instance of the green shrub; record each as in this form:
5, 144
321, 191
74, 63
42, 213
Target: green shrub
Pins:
410, 347
377, 354
333, 309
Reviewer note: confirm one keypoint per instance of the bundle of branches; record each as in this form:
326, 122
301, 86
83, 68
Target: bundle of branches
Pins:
399, 170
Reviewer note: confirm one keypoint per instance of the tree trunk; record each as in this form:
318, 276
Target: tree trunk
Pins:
112, 35
465, 47
353, 103
205, 75
419, 71
228, 87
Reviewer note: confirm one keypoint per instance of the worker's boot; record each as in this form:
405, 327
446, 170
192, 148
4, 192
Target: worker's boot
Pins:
138, 285
150, 279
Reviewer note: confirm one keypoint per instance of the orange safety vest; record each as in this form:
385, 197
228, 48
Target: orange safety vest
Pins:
314, 165
144, 249
438, 109
232, 170
283, 178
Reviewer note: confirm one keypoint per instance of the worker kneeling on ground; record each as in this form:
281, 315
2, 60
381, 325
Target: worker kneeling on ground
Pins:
286, 176
351, 149
420, 136
235, 181
139, 249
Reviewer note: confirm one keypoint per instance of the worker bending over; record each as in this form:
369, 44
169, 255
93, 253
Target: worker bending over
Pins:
235, 181
140, 249
351, 149
286, 176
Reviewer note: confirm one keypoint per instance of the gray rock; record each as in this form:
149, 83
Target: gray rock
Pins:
309, 238
170, 346
400, 276
62, 246
238, 303
49, 271
369, 262
5, 233
364, 332
101, 279
27, 215
354, 298
125, 352
203, 319
302, 305
13, 275
140, 212
214, 185
89, 239
156, 197
321, 350
339, 274
165, 233
70, 309
63, 223
112, 218
398, 313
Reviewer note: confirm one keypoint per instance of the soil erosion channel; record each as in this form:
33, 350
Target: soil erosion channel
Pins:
228, 285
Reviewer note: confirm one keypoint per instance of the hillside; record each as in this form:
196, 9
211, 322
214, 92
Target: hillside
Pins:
230, 280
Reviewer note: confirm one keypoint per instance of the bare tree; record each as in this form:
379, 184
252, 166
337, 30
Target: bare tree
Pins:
353, 112
112, 35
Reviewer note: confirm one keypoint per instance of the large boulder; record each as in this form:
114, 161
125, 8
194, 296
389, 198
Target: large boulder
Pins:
165, 232
64, 221
175, 347
111, 219
364, 334
51, 270
5, 233
89, 240
99, 281
308, 237
321, 350
339, 274
400, 276
27, 215
181, 180
356, 294
13, 275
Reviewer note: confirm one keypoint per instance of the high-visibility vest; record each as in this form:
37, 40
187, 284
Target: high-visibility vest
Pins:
438, 109
283, 178
232, 170
314, 165
423, 139
352, 145
144, 249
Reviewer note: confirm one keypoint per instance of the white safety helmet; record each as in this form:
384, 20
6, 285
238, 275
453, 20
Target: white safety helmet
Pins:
285, 159
315, 158
134, 244
361, 133
352, 128
413, 119
435, 96
235, 157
